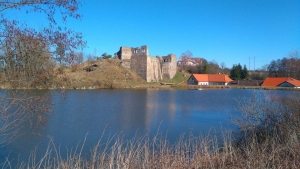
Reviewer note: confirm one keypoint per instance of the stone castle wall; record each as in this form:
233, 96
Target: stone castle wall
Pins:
169, 65
154, 71
139, 63
150, 68
125, 53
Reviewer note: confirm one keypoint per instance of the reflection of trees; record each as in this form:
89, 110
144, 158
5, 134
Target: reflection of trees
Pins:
20, 107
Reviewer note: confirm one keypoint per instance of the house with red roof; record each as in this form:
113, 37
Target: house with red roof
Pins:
209, 79
189, 62
186, 62
281, 82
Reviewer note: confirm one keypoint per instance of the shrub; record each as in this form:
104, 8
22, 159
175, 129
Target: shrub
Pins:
270, 130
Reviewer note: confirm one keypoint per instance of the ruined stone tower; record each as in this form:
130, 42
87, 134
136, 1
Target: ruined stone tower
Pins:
152, 69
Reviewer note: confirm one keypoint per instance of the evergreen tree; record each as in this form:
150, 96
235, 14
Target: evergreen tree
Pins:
245, 73
234, 73
237, 73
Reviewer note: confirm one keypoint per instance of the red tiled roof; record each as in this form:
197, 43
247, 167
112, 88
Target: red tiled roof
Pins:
294, 82
201, 77
276, 81
212, 78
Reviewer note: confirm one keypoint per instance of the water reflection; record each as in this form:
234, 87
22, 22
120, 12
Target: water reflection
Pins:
128, 112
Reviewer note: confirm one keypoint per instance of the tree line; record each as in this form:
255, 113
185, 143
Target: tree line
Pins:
202, 65
212, 67
286, 67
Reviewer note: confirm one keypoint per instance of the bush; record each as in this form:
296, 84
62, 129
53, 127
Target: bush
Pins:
270, 130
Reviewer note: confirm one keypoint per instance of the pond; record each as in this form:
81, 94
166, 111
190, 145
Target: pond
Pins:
87, 114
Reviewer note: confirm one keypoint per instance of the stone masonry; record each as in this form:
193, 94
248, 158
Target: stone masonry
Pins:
152, 69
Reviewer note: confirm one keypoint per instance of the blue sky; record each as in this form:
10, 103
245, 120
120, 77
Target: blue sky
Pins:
227, 31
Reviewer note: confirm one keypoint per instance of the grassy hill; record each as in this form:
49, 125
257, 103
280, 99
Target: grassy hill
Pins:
105, 73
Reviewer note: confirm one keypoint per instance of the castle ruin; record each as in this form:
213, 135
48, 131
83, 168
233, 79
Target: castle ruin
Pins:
152, 69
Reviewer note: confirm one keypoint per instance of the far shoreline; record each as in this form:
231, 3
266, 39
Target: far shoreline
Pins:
155, 86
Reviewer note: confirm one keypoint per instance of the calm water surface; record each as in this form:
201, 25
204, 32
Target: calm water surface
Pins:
89, 113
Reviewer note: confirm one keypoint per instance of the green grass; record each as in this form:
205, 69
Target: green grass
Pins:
179, 78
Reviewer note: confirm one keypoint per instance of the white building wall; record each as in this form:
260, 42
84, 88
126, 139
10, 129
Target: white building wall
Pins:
203, 83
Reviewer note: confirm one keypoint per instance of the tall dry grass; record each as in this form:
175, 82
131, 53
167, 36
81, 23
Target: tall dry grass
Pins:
138, 152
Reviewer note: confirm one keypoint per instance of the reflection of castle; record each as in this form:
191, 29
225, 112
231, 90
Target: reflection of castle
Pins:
152, 69
158, 108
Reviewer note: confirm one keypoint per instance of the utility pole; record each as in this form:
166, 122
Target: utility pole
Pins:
254, 63
249, 63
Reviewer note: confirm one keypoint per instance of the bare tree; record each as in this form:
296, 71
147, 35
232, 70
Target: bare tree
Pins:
273, 121
26, 64
213, 67
26, 53
53, 34
186, 55
91, 57
60, 54
286, 67
15, 38
222, 66
264, 67
79, 57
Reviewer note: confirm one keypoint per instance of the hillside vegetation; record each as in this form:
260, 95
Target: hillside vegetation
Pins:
104, 73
